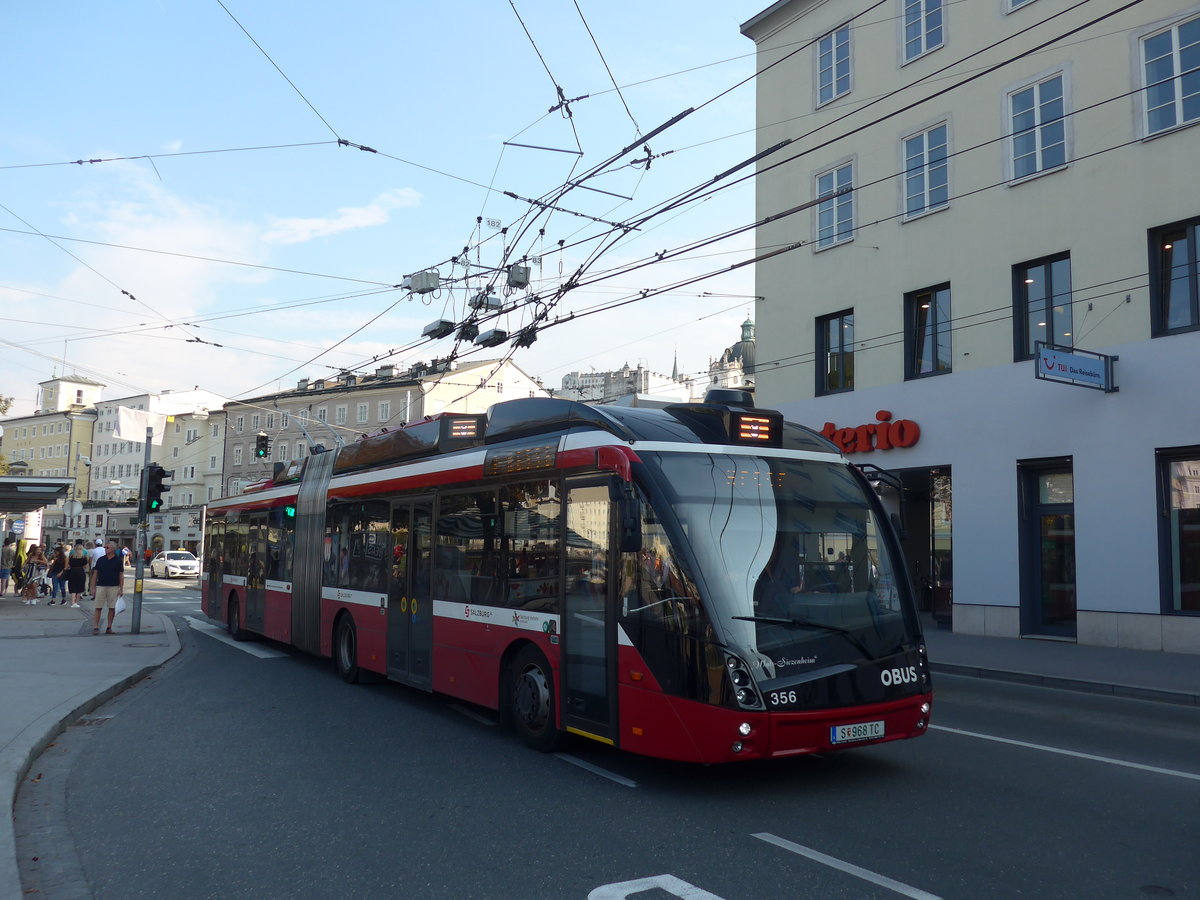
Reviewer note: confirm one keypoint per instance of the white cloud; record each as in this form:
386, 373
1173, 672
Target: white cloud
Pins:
377, 212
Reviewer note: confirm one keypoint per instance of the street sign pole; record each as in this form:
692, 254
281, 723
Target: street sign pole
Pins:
139, 572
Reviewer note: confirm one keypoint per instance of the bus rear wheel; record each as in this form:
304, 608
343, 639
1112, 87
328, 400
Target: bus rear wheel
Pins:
345, 650
530, 700
231, 621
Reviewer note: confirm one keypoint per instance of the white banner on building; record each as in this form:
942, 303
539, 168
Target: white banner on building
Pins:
132, 425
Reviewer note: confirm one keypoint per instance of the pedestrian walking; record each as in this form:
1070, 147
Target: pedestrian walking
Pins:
8, 555
18, 570
78, 562
58, 576
108, 573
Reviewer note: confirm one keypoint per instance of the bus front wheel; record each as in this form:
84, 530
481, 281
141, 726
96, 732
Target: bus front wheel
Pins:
345, 650
530, 700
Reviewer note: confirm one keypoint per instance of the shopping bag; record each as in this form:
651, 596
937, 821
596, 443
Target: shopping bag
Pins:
120, 604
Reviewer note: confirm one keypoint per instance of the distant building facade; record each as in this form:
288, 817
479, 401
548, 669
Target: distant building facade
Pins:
325, 412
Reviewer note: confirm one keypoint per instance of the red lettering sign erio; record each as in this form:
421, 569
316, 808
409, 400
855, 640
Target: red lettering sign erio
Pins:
882, 434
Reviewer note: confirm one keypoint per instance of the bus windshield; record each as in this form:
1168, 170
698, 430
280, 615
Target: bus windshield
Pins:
790, 552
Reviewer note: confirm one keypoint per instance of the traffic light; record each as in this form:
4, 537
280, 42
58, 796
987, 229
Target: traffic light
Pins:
262, 445
155, 487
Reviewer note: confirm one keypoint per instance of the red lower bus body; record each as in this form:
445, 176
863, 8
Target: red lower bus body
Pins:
468, 665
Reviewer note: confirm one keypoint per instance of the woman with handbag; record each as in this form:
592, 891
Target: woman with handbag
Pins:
58, 576
78, 562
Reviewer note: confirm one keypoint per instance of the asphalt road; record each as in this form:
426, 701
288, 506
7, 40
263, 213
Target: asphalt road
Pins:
234, 775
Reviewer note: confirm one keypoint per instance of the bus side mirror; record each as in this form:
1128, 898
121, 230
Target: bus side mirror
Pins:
630, 524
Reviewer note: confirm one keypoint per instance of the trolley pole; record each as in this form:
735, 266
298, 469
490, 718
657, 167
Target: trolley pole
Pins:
135, 625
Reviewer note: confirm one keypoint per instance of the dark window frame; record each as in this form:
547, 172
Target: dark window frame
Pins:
844, 351
1163, 459
1023, 341
1155, 239
913, 332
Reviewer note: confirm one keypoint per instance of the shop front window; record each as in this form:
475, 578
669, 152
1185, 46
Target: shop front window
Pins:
1182, 526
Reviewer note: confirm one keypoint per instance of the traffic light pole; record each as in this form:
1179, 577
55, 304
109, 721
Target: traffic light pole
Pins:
135, 625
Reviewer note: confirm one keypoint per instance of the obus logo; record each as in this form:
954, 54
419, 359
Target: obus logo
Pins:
882, 434
907, 675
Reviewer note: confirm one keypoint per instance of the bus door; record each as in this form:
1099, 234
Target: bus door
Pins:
256, 569
410, 608
588, 669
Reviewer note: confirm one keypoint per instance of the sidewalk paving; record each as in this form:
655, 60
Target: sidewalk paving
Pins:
53, 671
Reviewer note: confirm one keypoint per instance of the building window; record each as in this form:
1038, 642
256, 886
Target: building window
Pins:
237, 456
254, 422
271, 420
283, 420
1039, 131
1180, 529
322, 414
212, 462
1174, 285
239, 423
835, 216
835, 353
362, 413
922, 27
833, 65
926, 178
339, 415
1042, 304
385, 410
1017, 4
1171, 66
927, 344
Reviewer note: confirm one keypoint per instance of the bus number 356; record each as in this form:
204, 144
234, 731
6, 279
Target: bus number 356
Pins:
781, 698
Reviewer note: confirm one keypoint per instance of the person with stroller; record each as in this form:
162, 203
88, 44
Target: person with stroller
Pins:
36, 582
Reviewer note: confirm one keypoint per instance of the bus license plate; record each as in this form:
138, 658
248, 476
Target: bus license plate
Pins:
861, 731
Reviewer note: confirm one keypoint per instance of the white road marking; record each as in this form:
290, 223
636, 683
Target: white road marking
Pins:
596, 770
1075, 753
849, 868
669, 884
221, 635
193, 603
471, 714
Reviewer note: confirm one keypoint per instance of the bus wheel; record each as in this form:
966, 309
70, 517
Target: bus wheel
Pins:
345, 650
231, 621
530, 700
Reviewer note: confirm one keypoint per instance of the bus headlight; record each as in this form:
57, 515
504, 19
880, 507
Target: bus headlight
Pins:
744, 729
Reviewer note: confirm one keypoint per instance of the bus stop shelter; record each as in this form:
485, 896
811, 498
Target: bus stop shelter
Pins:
20, 494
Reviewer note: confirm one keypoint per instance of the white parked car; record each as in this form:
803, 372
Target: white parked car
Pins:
170, 563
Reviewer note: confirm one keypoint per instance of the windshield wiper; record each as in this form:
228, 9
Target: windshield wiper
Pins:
809, 623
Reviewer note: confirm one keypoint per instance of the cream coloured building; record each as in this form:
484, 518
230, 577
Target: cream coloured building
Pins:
967, 180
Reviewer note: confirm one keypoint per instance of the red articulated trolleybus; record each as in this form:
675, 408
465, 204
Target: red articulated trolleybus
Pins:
704, 582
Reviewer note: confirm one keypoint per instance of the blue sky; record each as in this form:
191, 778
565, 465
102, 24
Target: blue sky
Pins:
281, 246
